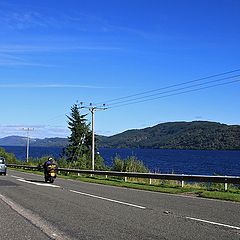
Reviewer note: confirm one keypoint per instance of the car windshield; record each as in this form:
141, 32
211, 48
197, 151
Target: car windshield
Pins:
2, 161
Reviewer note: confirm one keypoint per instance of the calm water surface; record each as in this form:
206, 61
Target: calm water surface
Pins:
159, 160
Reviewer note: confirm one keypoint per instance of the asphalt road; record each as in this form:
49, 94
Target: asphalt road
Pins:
70, 209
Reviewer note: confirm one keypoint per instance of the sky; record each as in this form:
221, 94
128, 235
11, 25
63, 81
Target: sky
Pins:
54, 54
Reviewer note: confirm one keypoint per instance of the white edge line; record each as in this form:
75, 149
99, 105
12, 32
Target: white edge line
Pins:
38, 184
214, 223
108, 199
36, 220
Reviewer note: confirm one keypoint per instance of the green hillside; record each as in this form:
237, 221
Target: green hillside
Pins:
178, 135
173, 135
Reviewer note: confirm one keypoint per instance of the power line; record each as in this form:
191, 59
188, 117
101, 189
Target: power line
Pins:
171, 86
174, 90
165, 96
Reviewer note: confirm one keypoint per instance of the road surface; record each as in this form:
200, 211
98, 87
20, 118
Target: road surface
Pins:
67, 209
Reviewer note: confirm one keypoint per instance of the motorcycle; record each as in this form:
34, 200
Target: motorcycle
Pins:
50, 173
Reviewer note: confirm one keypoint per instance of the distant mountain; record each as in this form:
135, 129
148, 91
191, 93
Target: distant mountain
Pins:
21, 141
50, 142
178, 135
172, 135
13, 141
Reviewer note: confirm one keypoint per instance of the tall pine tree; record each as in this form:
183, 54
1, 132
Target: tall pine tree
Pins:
80, 139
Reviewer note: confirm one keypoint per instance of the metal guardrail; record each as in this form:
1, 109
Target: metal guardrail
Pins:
179, 177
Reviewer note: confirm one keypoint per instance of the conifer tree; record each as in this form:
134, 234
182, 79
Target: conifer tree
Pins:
80, 137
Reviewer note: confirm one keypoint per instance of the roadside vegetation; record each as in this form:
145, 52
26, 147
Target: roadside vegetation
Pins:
10, 157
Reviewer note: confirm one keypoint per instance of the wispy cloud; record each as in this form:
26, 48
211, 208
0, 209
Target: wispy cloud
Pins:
40, 131
9, 59
49, 48
19, 18
51, 86
21, 126
17, 55
99, 24
12, 63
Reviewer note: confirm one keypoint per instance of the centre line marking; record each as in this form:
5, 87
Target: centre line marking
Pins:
38, 184
108, 199
214, 223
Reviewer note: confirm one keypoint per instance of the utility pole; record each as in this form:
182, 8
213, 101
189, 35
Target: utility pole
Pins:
92, 109
28, 140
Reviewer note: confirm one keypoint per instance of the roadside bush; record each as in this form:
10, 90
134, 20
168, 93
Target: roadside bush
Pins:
130, 164
10, 157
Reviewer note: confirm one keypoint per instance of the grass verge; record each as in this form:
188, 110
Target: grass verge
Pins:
197, 190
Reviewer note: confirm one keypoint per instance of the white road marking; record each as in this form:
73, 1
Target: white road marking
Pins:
37, 221
16, 177
214, 223
38, 184
108, 199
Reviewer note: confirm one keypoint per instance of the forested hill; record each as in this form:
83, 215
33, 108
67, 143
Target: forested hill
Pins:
21, 141
173, 135
178, 135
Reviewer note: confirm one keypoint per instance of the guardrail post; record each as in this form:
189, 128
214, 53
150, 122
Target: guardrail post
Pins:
150, 181
182, 182
106, 176
225, 186
125, 179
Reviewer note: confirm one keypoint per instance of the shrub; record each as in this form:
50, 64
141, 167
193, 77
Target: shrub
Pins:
10, 157
130, 164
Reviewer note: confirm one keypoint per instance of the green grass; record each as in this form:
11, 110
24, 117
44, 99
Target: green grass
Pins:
228, 196
213, 191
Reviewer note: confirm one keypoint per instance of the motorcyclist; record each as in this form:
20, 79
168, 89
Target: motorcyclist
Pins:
50, 161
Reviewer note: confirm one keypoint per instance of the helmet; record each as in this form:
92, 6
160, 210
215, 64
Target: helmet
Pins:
50, 159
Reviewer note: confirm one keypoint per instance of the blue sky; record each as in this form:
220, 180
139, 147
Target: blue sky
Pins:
54, 53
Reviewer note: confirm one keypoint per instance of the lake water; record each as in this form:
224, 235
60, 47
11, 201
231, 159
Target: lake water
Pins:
159, 160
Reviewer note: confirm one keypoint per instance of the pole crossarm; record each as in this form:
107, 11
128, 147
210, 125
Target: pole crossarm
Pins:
28, 140
93, 109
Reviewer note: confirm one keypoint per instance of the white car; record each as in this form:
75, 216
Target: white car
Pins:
3, 167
